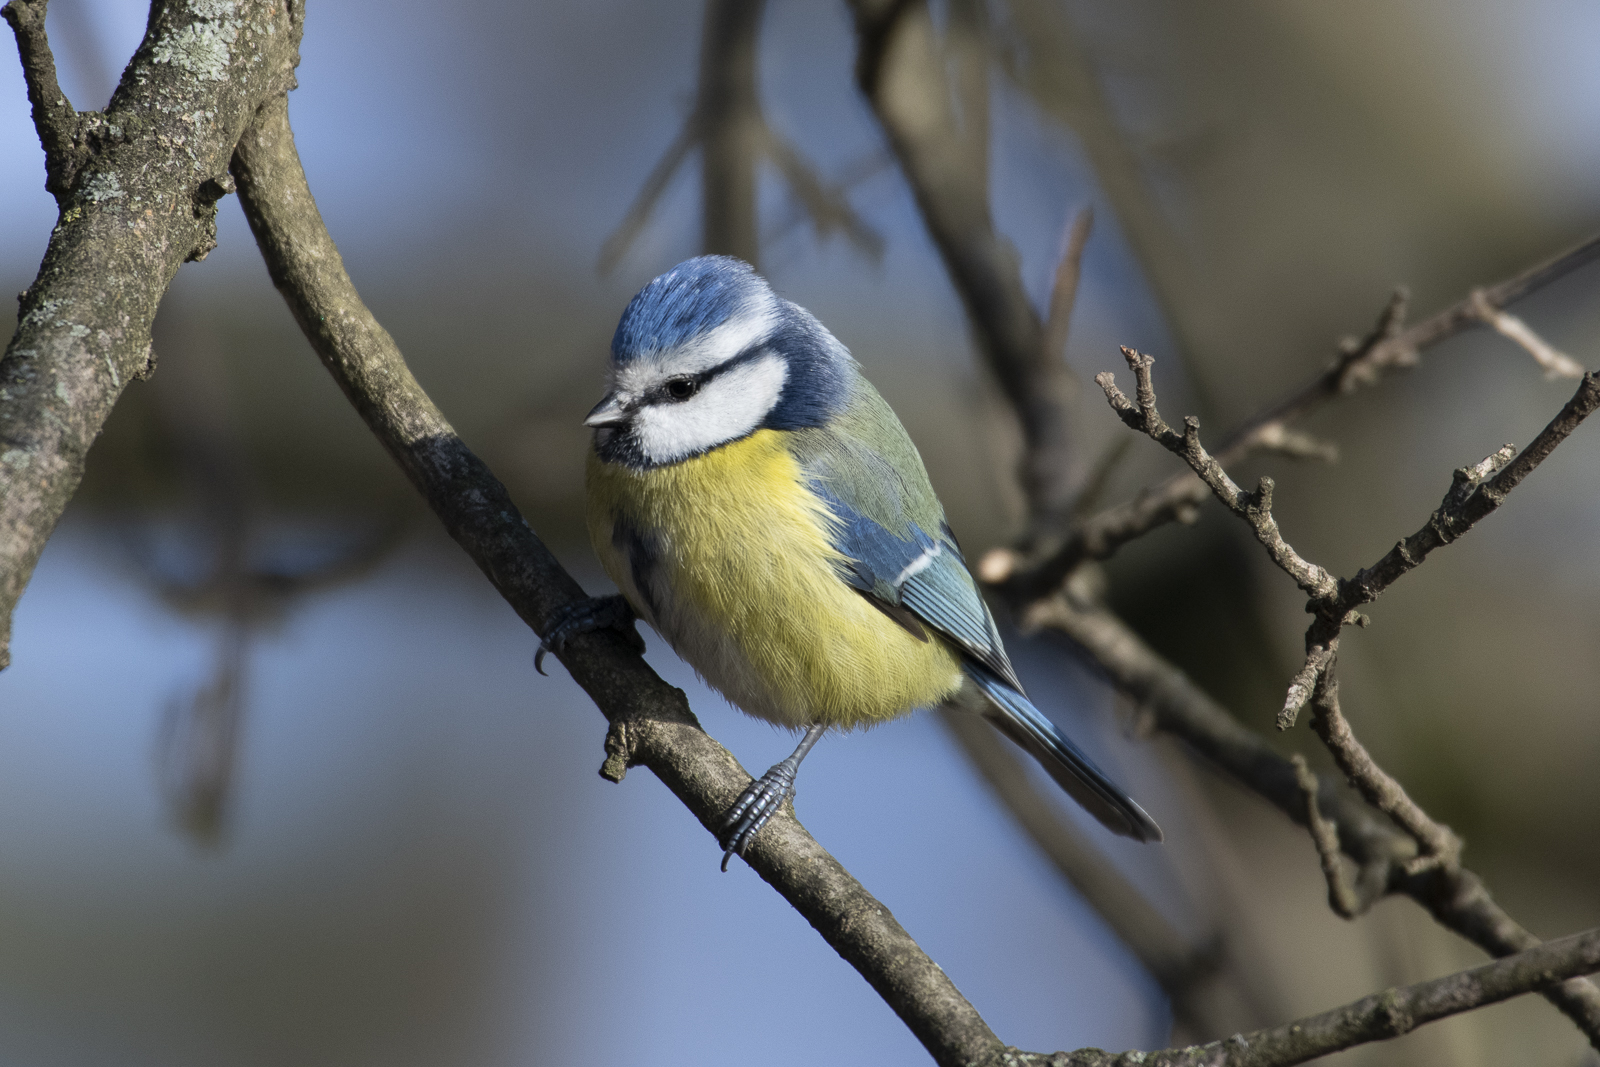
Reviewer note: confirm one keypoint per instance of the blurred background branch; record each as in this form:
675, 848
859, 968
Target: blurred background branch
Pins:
734, 136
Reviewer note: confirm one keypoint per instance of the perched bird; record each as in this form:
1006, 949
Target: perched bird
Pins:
761, 507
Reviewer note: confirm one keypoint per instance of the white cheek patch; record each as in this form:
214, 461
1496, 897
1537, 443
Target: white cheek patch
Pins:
711, 349
727, 407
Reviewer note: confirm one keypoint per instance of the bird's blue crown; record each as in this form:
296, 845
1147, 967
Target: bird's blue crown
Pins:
700, 294
697, 295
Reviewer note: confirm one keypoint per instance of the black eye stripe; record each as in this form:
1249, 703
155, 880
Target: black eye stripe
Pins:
700, 378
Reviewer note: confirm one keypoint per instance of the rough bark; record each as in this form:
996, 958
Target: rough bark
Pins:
137, 186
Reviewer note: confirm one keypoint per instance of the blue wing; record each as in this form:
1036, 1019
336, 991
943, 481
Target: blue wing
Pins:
926, 576
921, 573
901, 555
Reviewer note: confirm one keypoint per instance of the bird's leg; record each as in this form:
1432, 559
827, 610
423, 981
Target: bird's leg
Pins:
586, 616
762, 798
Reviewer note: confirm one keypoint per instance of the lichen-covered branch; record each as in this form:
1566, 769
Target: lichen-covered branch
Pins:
138, 187
651, 724
1378, 1017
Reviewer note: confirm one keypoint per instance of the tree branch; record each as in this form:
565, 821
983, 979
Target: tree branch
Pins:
138, 188
1454, 896
1475, 492
1035, 572
901, 70
54, 119
651, 724
1375, 1018
1439, 844
1064, 287
1254, 508
1556, 364
1471, 498
728, 116
728, 126
1346, 900
826, 205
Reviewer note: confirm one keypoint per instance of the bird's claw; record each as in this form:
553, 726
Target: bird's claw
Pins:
583, 617
759, 802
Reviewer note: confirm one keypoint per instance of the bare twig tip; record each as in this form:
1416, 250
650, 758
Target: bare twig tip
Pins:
1556, 364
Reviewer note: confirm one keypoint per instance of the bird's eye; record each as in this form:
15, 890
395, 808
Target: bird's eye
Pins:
682, 388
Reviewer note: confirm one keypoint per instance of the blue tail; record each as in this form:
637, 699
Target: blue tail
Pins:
1019, 720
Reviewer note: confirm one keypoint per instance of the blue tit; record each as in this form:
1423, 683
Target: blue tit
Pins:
761, 507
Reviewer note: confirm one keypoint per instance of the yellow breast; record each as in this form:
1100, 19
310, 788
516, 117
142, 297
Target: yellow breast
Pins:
727, 555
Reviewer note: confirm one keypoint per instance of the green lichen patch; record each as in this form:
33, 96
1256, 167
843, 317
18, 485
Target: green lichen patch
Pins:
201, 48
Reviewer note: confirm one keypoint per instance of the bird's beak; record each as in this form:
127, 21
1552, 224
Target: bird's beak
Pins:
609, 412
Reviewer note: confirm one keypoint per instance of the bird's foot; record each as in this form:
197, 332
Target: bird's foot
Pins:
760, 800
586, 616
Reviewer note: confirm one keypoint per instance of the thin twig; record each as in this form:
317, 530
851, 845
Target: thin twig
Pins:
1471, 498
727, 124
1342, 895
1064, 289
54, 118
1254, 508
1556, 364
1439, 845
899, 78
1333, 602
1047, 58
826, 205
1475, 492
616, 245
858, 172
902, 69
1391, 344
